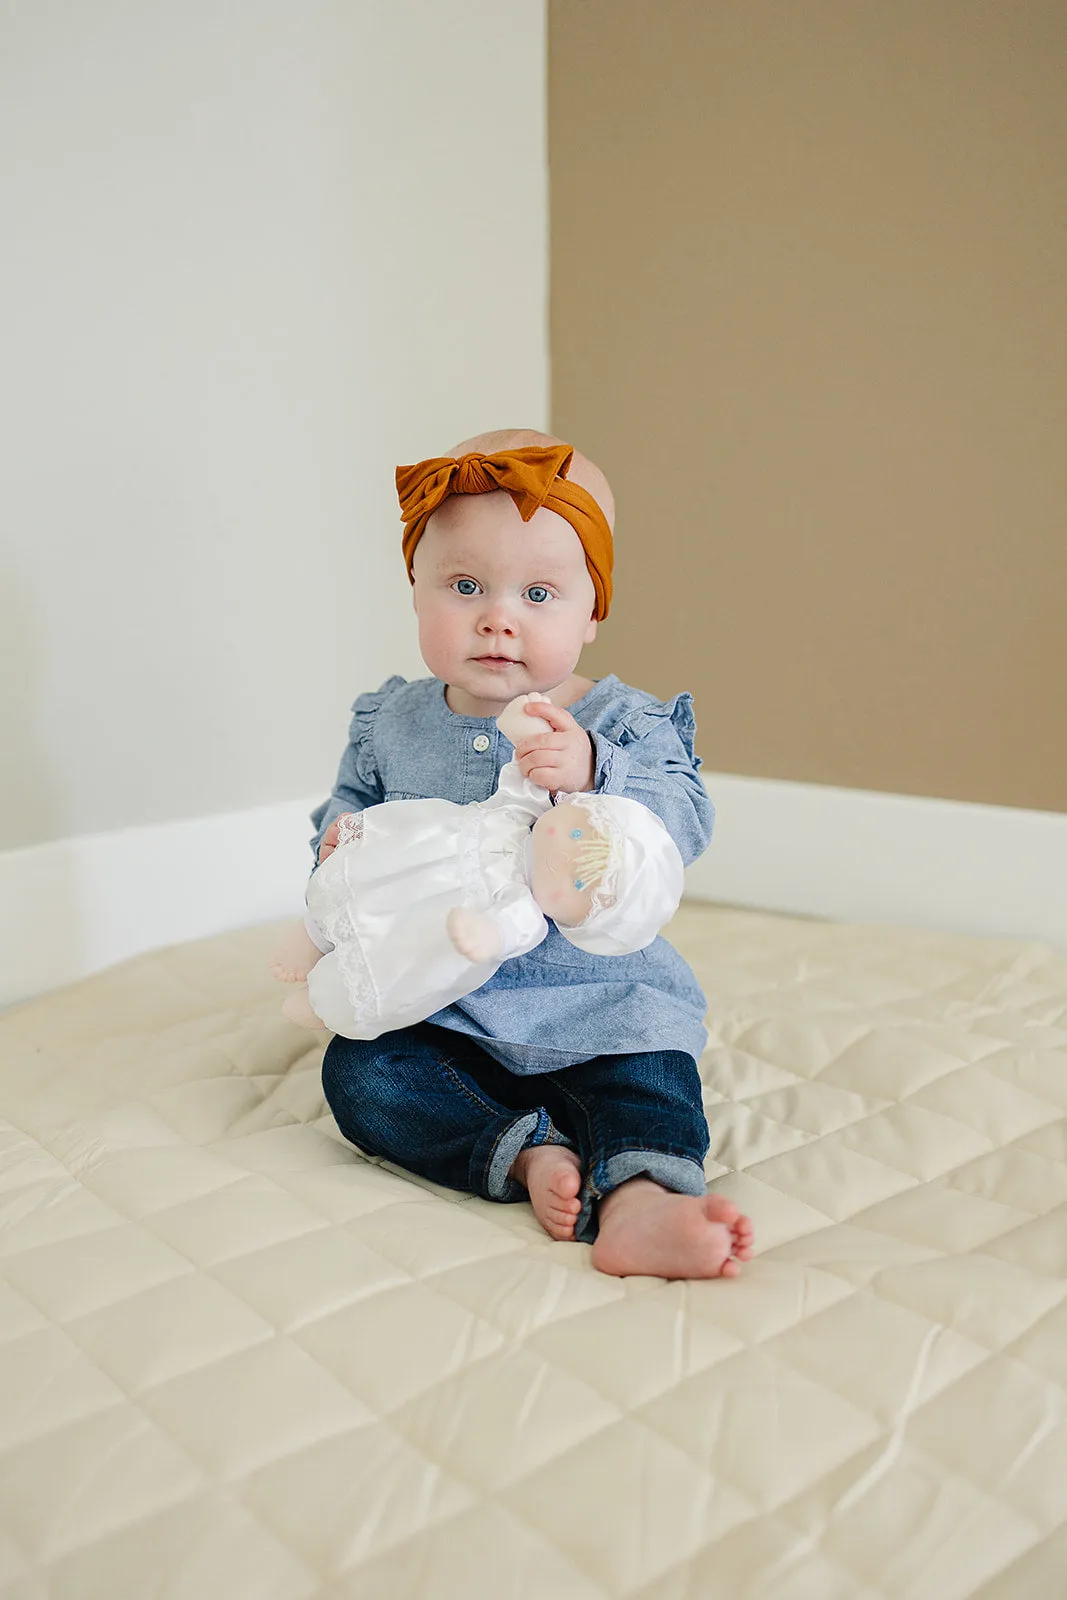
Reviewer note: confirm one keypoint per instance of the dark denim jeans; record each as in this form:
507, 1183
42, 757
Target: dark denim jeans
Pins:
432, 1101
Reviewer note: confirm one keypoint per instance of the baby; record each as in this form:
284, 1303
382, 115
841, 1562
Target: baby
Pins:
568, 1077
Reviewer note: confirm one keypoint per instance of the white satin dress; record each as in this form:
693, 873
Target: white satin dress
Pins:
382, 898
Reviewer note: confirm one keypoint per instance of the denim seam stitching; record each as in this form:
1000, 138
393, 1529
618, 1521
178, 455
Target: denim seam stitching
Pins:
452, 1069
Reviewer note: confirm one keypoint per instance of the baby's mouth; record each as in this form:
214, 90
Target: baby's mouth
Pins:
496, 661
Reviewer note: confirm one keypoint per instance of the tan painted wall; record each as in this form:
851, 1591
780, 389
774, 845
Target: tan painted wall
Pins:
809, 311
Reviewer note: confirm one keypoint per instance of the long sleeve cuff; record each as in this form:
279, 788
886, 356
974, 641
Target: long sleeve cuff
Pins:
612, 766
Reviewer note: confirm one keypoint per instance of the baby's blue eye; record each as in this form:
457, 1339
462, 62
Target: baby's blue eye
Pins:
465, 586
537, 593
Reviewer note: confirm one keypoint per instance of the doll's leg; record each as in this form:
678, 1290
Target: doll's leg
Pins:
296, 954
298, 1009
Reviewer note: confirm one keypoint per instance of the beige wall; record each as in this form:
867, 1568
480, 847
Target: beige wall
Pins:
245, 271
809, 311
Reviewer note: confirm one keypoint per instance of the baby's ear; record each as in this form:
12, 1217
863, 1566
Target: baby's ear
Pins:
590, 632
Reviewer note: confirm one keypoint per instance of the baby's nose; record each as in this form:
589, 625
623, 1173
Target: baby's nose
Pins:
497, 617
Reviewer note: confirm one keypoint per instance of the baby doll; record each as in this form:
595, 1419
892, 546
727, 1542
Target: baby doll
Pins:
423, 900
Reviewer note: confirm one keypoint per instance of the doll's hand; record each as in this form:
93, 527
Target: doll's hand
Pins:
560, 760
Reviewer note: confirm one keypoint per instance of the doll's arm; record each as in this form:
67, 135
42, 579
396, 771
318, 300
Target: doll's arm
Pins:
511, 927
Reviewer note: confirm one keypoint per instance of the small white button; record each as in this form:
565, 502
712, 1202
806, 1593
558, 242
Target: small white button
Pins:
481, 742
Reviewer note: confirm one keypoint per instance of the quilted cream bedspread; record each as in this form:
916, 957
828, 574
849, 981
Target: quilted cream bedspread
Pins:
239, 1361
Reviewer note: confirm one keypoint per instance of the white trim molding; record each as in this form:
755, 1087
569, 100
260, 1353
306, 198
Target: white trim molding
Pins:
855, 856
72, 907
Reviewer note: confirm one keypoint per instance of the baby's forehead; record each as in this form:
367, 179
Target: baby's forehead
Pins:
487, 529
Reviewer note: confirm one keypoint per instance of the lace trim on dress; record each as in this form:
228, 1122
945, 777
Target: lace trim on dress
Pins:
359, 984
349, 828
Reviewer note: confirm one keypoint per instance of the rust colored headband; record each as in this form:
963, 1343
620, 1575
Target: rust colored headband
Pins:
533, 477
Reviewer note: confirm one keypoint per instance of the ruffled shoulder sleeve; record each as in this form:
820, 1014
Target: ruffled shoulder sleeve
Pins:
653, 717
364, 765
359, 781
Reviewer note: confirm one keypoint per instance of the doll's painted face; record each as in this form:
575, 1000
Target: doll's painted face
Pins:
504, 606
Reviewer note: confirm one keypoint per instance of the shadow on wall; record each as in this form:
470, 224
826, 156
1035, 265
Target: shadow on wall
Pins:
32, 874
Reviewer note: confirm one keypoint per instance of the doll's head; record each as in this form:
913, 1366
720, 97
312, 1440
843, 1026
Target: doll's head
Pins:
506, 590
606, 871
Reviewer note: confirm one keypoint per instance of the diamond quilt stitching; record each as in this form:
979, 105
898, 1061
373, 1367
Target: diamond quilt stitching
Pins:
243, 1359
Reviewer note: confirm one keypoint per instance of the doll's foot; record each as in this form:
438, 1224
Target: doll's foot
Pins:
552, 1175
298, 1009
646, 1230
475, 935
295, 956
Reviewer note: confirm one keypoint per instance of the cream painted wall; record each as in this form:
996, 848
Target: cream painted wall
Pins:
257, 254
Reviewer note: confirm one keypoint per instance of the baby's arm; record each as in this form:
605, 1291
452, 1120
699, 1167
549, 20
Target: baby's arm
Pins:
649, 757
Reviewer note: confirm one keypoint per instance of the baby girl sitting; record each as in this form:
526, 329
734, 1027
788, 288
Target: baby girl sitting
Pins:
568, 1077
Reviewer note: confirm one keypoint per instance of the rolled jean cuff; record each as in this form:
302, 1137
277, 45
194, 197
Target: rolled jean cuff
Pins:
677, 1173
536, 1127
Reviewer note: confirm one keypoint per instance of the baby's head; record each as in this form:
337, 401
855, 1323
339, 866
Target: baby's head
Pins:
506, 605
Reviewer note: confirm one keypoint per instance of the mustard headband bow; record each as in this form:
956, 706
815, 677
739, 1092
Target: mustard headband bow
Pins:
534, 477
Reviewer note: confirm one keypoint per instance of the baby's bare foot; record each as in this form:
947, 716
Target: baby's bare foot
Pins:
645, 1230
475, 935
295, 956
553, 1176
298, 1009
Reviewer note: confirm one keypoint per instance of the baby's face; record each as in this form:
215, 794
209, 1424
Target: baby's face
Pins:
504, 606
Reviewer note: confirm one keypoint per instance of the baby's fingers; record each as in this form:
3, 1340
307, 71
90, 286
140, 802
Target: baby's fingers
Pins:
539, 742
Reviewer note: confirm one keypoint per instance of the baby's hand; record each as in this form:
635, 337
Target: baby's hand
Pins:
561, 760
329, 841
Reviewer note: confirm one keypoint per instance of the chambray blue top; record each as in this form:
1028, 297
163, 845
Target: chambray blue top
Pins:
556, 1005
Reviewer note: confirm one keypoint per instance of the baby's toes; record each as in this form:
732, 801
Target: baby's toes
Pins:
718, 1209
742, 1239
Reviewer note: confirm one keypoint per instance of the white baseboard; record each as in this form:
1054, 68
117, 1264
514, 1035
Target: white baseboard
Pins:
854, 856
70, 908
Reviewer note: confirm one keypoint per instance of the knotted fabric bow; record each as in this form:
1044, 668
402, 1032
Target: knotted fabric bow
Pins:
533, 477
